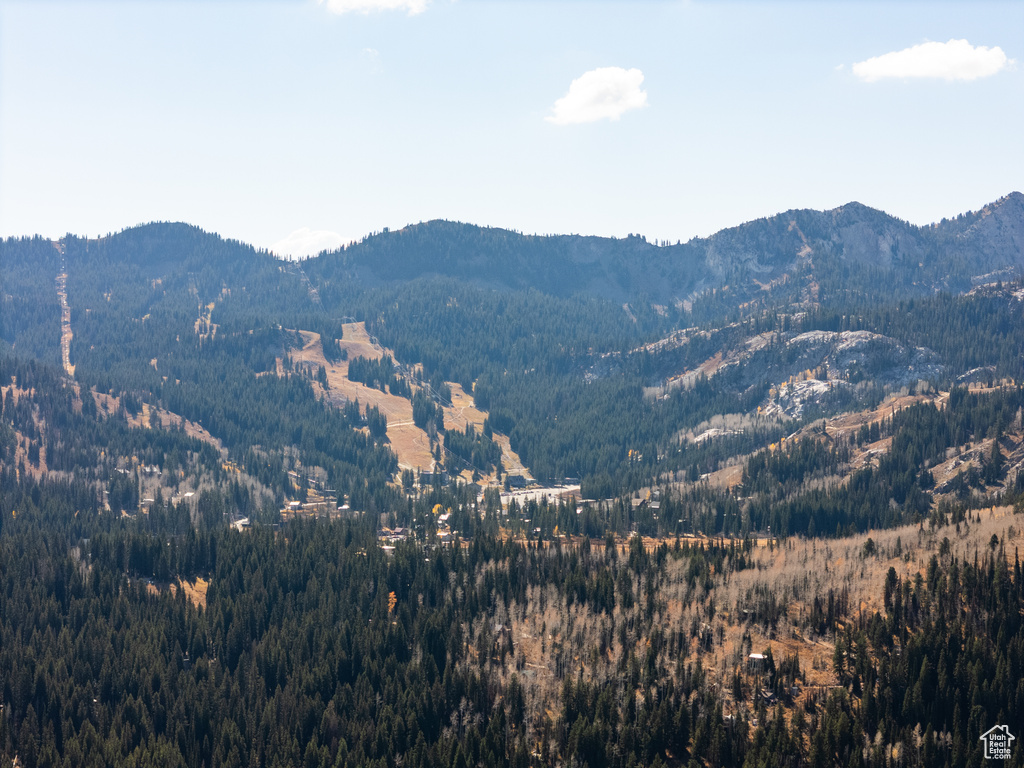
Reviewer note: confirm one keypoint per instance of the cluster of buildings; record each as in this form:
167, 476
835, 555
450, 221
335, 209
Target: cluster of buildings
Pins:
389, 538
320, 501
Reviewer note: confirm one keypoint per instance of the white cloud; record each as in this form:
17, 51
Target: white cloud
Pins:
955, 60
603, 93
369, 6
306, 242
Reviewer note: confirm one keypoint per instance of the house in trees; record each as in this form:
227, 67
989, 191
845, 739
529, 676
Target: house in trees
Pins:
429, 478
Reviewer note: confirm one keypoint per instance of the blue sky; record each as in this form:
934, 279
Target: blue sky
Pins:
300, 124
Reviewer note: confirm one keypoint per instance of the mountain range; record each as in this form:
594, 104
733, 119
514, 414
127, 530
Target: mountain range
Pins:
584, 352
778, 258
256, 511
751, 259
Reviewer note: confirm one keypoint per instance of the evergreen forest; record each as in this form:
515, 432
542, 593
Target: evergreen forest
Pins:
461, 496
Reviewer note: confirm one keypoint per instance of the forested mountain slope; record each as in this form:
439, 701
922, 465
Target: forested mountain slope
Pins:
313, 647
856, 240
535, 326
801, 438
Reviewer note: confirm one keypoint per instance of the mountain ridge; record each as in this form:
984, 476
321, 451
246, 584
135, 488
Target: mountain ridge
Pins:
783, 253
748, 257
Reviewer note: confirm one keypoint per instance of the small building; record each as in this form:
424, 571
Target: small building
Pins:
755, 662
429, 478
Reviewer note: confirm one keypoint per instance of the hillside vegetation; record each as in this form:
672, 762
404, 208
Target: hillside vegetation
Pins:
256, 512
